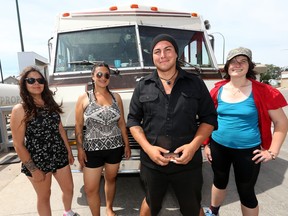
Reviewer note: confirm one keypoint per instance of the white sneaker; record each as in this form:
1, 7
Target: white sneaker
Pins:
71, 213
208, 212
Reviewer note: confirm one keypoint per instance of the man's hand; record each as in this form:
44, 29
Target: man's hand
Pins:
156, 154
187, 153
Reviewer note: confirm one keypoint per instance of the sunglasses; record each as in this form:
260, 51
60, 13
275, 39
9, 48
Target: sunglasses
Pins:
33, 80
100, 74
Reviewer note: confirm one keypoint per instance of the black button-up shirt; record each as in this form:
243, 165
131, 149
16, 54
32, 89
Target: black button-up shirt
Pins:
171, 120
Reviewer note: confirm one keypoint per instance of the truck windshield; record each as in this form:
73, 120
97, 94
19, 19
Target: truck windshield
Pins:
124, 47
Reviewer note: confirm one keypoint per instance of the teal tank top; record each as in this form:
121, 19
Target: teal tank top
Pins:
237, 124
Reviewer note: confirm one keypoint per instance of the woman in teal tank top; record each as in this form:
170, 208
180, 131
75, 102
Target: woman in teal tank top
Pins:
245, 110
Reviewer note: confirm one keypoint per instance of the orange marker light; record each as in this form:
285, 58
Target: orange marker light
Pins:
65, 14
113, 8
134, 6
154, 9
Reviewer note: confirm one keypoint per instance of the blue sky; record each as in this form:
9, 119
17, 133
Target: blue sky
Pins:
258, 25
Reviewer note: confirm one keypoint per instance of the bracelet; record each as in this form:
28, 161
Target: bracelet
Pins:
271, 154
30, 165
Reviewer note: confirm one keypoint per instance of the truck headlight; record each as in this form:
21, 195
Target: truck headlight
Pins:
70, 134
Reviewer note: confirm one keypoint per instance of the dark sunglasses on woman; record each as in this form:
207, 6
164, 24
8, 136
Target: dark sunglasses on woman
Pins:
33, 80
100, 74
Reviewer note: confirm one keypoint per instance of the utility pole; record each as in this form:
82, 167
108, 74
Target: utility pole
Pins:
2, 80
19, 25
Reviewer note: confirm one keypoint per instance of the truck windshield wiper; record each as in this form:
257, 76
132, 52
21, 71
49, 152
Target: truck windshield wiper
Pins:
86, 62
197, 68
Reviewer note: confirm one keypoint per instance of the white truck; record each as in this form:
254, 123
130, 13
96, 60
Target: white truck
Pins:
120, 36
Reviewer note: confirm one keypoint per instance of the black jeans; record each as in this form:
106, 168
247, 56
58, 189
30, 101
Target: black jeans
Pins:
187, 186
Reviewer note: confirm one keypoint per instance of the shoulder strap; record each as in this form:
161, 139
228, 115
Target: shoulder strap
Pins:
113, 96
90, 95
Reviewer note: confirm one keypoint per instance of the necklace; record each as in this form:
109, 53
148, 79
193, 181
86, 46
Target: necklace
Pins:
235, 91
168, 81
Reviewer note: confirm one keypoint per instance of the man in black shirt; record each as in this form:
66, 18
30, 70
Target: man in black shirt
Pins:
171, 114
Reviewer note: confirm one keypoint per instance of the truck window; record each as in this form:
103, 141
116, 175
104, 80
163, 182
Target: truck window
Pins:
79, 50
192, 48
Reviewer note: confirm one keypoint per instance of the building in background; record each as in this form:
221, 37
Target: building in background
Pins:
11, 80
31, 58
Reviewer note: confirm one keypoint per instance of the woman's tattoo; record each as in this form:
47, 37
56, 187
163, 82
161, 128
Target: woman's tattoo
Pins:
30, 165
79, 137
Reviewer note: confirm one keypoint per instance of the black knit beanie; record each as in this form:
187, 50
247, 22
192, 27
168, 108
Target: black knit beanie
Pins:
164, 37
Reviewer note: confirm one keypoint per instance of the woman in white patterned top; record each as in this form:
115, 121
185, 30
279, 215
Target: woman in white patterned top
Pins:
105, 140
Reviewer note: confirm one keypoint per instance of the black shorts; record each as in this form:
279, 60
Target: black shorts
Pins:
99, 158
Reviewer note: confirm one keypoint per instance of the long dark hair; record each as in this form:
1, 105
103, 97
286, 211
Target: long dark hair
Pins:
250, 74
29, 106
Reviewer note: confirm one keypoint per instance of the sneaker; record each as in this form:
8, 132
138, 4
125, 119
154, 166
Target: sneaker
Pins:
208, 212
71, 213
